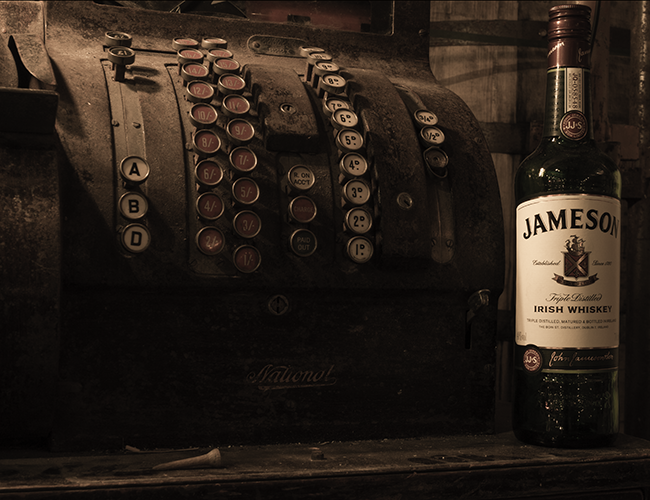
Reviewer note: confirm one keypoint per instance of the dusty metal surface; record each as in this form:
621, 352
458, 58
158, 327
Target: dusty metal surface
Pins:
303, 348
446, 468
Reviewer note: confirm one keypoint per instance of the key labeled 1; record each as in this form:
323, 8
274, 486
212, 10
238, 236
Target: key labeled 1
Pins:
360, 249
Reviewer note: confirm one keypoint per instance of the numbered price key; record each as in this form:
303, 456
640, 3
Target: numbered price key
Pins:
210, 240
247, 224
208, 173
231, 84
234, 105
246, 258
203, 116
245, 191
332, 84
360, 249
240, 132
209, 206
424, 118
349, 141
243, 159
214, 54
358, 220
194, 71
353, 165
344, 118
431, 136
356, 192
225, 67
332, 104
206, 143
198, 91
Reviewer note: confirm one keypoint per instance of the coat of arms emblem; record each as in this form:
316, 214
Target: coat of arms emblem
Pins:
576, 264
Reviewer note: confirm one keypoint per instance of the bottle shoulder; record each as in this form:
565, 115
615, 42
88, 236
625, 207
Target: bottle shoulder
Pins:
558, 166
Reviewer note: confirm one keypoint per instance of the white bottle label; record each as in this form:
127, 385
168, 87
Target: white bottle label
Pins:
568, 283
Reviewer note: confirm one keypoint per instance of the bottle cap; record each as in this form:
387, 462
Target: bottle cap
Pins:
569, 30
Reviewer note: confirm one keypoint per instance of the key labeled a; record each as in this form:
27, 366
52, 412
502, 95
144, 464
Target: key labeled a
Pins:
134, 170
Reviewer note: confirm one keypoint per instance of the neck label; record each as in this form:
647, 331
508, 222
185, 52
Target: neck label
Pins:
568, 104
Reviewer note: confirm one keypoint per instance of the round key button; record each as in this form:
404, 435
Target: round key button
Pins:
349, 140
342, 118
208, 173
198, 91
424, 118
120, 55
247, 258
206, 143
320, 69
185, 56
324, 67
356, 192
432, 136
353, 165
209, 206
358, 220
240, 131
194, 71
225, 67
184, 43
203, 115
245, 191
332, 83
303, 242
234, 105
214, 43
231, 84
134, 170
133, 205
117, 39
332, 104
301, 178
302, 209
214, 54
436, 160
247, 224
360, 249
243, 159
210, 240
136, 238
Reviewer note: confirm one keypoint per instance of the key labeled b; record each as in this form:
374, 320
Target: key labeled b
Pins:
133, 205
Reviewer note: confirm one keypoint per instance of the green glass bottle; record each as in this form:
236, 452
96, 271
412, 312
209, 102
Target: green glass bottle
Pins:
568, 260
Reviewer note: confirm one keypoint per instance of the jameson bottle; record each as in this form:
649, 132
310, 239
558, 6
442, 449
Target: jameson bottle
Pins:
568, 260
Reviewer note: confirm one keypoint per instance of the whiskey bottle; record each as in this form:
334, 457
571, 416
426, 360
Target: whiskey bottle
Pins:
568, 227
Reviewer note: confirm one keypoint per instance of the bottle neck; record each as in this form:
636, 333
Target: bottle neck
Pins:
568, 90
568, 113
